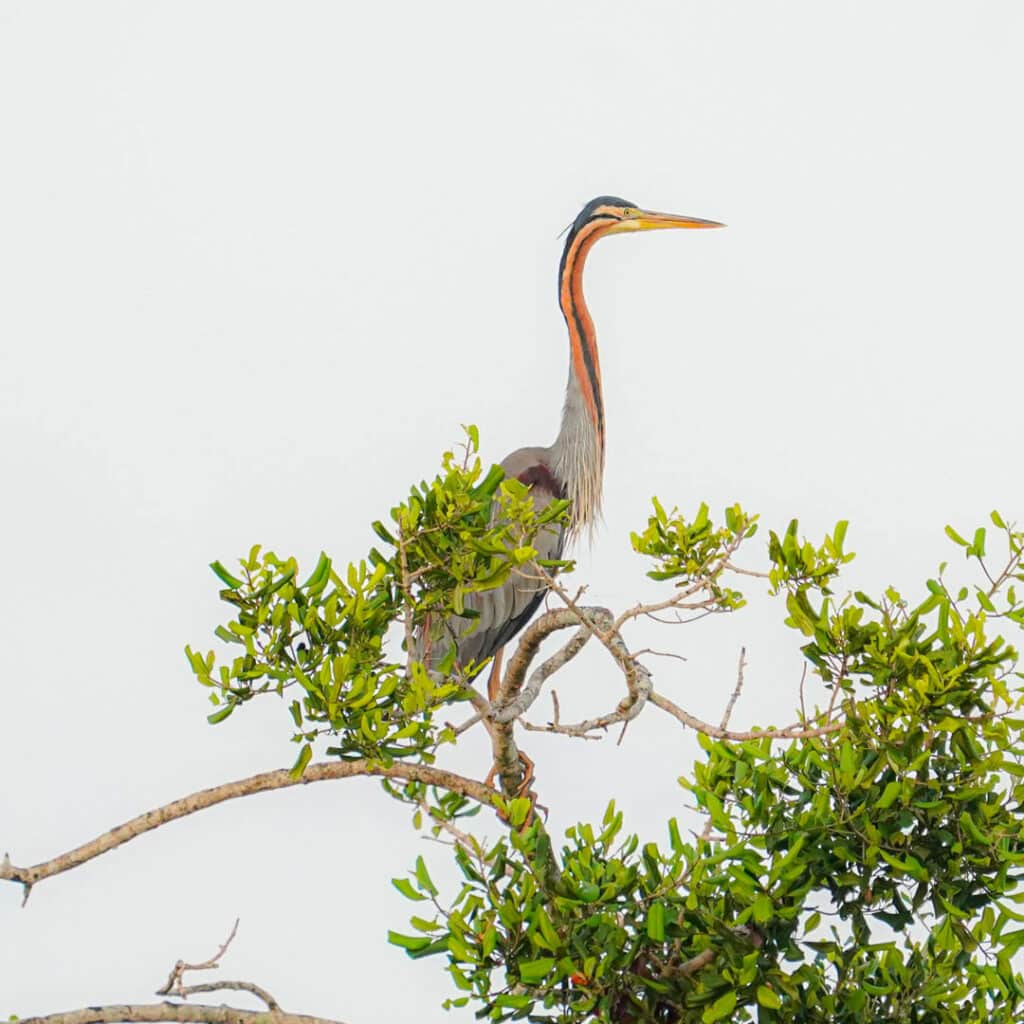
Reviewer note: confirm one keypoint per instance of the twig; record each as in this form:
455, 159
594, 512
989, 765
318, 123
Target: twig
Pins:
461, 838
747, 572
803, 706
797, 731
231, 986
174, 986
736, 690
659, 654
282, 779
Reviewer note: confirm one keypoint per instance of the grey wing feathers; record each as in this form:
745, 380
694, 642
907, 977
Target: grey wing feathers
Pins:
503, 611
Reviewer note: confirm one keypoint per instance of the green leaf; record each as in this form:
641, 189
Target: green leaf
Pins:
319, 574
381, 530
955, 537
410, 943
889, 794
404, 886
656, 922
532, 972
423, 877
219, 716
232, 582
763, 909
768, 997
305, 754
721, 1007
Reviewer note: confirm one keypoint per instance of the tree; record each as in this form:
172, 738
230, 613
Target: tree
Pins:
857, 864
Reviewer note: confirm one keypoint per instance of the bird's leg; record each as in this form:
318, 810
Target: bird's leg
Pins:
524, 784
523, 789
513, 782
494, 679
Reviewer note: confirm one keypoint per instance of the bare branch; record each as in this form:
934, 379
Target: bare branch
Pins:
748, 572
797, 731
459, 837
174, 986
515, 698
232, 986
282, 779
150, 1013
735, 695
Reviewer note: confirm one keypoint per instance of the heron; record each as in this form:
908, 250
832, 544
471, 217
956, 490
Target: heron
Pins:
571, 468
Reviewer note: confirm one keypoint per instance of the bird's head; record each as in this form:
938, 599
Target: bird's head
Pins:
608, 215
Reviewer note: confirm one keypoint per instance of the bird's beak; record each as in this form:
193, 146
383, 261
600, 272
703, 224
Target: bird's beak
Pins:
648, 220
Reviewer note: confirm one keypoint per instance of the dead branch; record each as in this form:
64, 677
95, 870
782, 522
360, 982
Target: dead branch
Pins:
174, 987
282, 779
737, 689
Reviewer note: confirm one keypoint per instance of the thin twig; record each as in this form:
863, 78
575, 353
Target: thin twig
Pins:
461, 838
736, 690
174, 986
659, 654
797, 731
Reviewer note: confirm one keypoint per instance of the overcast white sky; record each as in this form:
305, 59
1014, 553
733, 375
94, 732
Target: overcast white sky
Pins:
259, 261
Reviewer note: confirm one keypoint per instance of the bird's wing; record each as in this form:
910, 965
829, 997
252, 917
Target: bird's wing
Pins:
503, 611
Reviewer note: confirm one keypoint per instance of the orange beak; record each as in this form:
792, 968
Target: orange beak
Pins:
649, 220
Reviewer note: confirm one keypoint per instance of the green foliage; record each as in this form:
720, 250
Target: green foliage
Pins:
867, 871
322, 644
695, 555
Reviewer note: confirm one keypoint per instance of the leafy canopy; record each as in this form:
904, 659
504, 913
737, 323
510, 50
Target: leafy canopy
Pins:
864, 870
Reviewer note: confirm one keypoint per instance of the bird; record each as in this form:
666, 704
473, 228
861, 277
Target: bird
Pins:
571, 468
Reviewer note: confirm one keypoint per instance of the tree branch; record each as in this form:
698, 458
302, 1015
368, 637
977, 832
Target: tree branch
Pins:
797, 731
183, 1012
234, 986
175, 986
282, 779
515, 698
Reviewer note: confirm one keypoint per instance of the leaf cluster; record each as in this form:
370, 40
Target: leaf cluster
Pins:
695, 554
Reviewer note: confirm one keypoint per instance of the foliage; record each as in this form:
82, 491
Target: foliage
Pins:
323, 642
866, 869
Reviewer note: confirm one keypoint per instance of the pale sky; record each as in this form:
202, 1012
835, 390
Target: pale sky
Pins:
259, 262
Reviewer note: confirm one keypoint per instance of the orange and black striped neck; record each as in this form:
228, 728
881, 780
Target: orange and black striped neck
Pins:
594, 220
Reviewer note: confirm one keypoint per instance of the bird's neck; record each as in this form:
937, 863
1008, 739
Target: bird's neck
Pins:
579, 448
